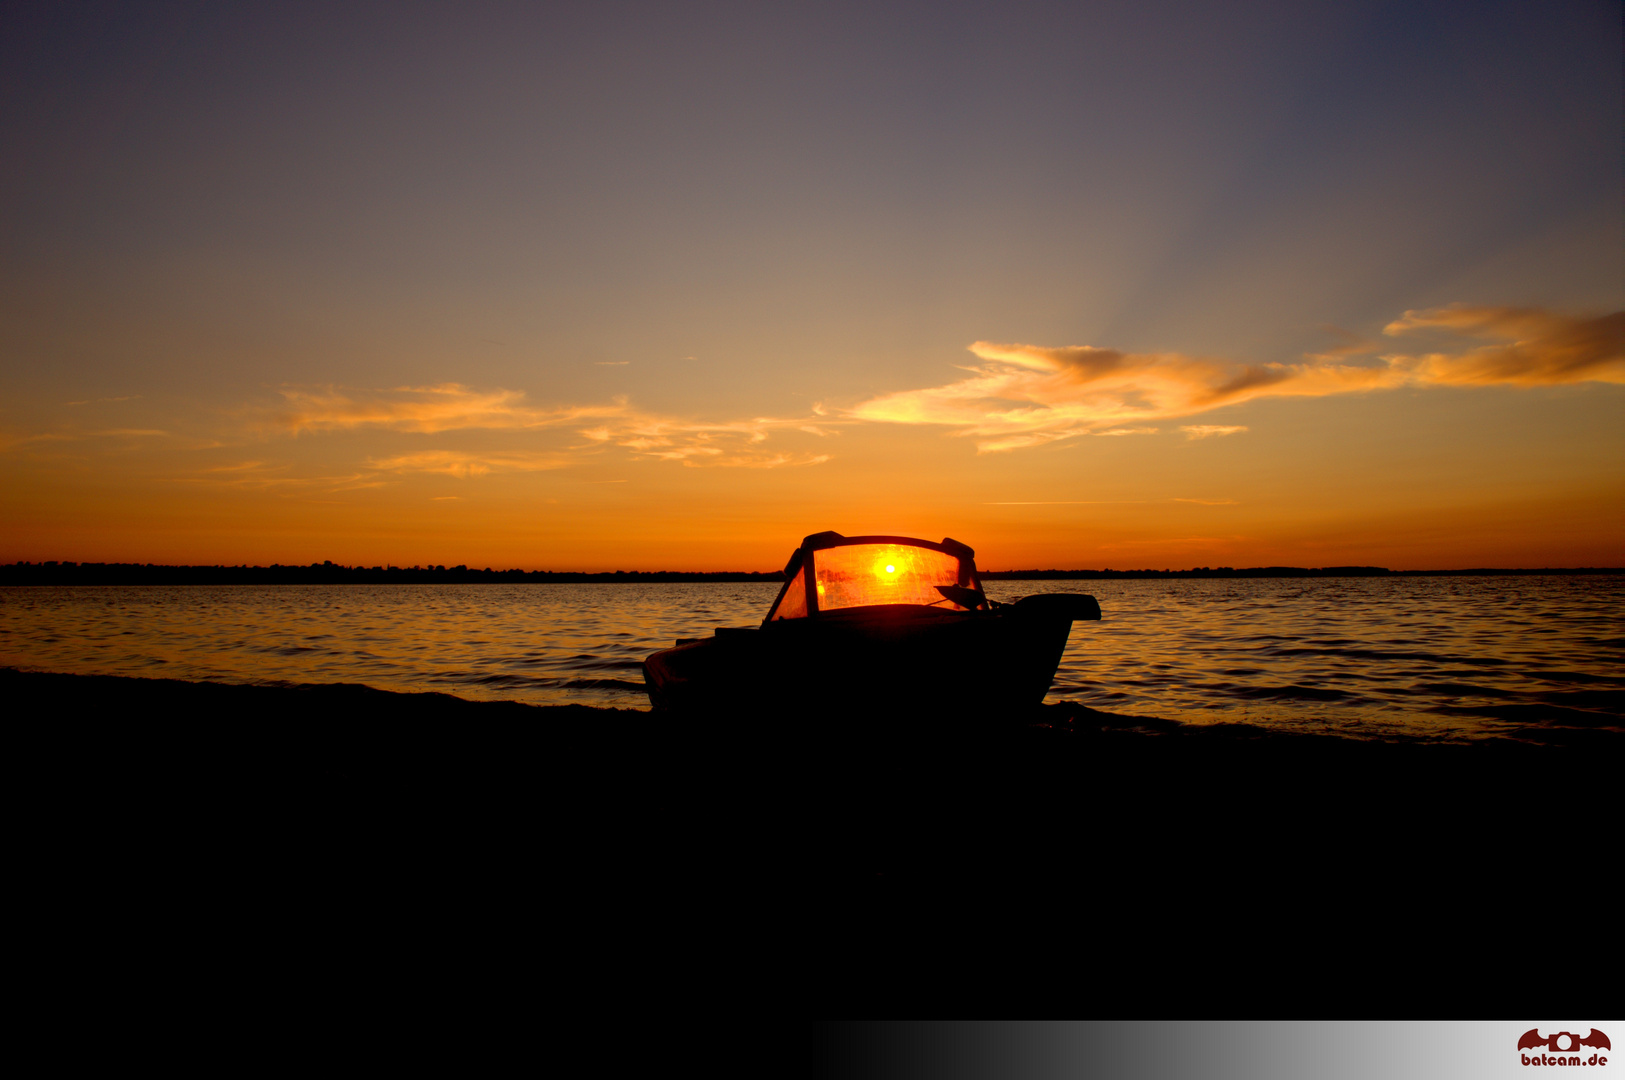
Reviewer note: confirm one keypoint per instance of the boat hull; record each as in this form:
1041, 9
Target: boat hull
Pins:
894, 659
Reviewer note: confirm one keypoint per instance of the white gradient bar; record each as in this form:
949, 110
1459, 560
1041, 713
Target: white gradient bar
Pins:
1217, 1050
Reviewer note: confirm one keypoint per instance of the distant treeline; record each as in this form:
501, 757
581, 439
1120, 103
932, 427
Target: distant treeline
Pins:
1273, 572
329, 573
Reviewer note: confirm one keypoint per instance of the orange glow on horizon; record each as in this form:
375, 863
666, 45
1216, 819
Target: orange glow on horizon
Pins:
1439, 478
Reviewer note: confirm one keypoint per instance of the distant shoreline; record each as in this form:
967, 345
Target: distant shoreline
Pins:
328, 573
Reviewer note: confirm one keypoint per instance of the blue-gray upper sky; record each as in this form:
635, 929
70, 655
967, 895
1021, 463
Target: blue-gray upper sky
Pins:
646, 182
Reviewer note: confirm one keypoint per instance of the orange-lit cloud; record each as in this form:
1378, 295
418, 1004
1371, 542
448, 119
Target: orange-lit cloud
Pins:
1027, 395
738, 443
463, 465
1016, 396
447, 407
1532, 347
455, 407
269, 476
9, 441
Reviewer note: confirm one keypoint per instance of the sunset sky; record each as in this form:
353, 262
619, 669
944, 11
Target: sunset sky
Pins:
670, 286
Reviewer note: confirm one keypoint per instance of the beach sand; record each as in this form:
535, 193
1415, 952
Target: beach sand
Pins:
1099, 849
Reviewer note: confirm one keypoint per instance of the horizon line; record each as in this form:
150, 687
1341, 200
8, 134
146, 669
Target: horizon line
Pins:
329, 569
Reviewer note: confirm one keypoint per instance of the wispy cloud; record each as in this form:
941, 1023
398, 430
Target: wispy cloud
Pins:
1013, 396
463, 465
1111, 502
1348, 343
1028, 395
425, 409
11, 441
273, 477
1530, 347
454, 407
376, 472
737, 443
103, 400
1207, 431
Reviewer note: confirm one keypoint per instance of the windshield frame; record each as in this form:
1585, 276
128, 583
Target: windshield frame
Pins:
805, 558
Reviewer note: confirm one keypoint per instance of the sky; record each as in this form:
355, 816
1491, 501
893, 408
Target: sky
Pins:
657, 286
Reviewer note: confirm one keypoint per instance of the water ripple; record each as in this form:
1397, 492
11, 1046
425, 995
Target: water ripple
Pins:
1382, 658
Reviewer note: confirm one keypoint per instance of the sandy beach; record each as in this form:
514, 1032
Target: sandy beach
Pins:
1100, 834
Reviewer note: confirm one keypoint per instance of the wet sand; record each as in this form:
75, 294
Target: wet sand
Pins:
1138, 866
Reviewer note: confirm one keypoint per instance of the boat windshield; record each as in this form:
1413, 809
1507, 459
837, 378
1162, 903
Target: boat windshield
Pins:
861, 575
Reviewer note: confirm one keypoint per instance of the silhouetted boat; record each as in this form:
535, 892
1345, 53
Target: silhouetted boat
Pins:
874, 622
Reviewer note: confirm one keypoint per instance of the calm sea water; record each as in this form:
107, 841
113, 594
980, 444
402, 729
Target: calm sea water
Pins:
1428, 657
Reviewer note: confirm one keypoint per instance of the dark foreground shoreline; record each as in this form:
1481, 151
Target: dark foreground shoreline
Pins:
1102, 864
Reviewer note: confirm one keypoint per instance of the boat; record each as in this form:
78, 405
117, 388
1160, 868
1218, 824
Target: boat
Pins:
869, 624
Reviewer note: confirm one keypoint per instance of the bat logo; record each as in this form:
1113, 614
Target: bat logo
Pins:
1563, 1041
